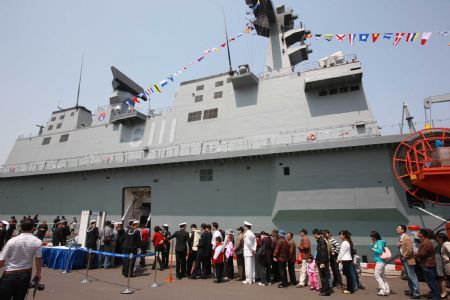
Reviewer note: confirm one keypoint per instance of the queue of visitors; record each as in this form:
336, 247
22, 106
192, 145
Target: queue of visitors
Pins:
262, 258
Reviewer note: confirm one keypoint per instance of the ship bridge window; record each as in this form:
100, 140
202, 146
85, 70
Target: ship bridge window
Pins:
219, 83
323, 93
218, 95
195, 116
206, 175
50, 127
61, 117
354, 88
210, 113
63, 138
198, 98
46, 141
58, 125
53, 118
200, 87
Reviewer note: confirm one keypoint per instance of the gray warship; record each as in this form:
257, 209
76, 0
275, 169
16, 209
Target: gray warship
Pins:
295, 147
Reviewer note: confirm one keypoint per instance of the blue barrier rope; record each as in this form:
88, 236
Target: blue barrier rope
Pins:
116, 254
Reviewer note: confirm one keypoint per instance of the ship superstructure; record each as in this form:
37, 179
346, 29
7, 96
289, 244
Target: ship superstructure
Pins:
297, 144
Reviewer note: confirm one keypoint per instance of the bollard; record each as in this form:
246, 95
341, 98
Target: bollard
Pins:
86, 280
67, 261
128, 290
155, 284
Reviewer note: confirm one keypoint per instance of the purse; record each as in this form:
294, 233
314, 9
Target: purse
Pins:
386, 255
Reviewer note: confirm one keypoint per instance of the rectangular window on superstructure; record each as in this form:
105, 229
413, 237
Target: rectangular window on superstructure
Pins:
206, 175
50, 127
195, 116
218, 83
218, 94
198, 98
46, 141
61, 117
354, 88
58, 125
63, 138
343, 89
200, 87
210, 113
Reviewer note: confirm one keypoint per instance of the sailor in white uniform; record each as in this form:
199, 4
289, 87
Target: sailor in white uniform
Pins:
249, 253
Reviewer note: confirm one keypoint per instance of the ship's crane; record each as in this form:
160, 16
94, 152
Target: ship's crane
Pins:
422, 160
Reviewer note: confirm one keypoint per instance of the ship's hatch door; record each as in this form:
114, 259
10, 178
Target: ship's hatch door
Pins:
136, 204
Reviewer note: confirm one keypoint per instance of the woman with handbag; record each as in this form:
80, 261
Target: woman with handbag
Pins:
381, 254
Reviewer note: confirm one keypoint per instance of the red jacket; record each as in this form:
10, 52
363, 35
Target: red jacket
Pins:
157, 238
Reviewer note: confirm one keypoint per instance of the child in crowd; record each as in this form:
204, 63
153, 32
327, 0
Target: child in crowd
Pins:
358, 270
313, 281
229, 254
218, 259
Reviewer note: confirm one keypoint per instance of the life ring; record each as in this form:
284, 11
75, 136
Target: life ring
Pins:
311, 137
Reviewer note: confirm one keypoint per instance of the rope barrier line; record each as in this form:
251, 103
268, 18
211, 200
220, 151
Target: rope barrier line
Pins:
116, 254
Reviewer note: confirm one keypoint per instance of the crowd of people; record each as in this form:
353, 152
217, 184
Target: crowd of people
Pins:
262, 258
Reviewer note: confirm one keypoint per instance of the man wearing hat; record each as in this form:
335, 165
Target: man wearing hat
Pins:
2, 233
182, 238
249, 253
239, 250
131, 244
92, 235
166, 248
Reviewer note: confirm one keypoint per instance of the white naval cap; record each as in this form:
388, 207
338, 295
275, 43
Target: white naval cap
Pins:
165, 225
247, 223
182, 224
93, 221
5, 222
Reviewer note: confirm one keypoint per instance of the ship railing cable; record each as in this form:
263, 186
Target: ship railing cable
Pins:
196, 148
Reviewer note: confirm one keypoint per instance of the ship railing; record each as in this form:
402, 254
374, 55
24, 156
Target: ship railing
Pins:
306, 67
287, 138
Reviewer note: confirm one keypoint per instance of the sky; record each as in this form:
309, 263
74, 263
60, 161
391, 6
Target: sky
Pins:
42, 43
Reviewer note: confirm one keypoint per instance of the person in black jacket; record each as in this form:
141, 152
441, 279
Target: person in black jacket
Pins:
323, 263
58, 235
42, 230
2, 233
92, 236
131, 244
202, 254
182, 238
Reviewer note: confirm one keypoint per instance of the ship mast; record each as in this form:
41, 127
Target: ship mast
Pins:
79, 81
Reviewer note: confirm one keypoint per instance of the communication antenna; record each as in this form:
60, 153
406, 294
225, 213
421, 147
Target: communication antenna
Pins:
231, 72
79, 81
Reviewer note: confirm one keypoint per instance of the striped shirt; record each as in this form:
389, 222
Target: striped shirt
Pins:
20, 251
335, 247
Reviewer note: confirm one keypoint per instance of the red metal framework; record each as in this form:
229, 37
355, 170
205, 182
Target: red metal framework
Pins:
422, 165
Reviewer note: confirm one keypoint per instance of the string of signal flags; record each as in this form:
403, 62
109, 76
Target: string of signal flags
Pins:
397, 37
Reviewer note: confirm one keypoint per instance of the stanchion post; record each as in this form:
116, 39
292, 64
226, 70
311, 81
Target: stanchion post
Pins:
67, 261
155, 284
128, 290
86, 280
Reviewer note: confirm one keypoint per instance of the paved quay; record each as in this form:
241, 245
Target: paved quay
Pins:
108, 284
